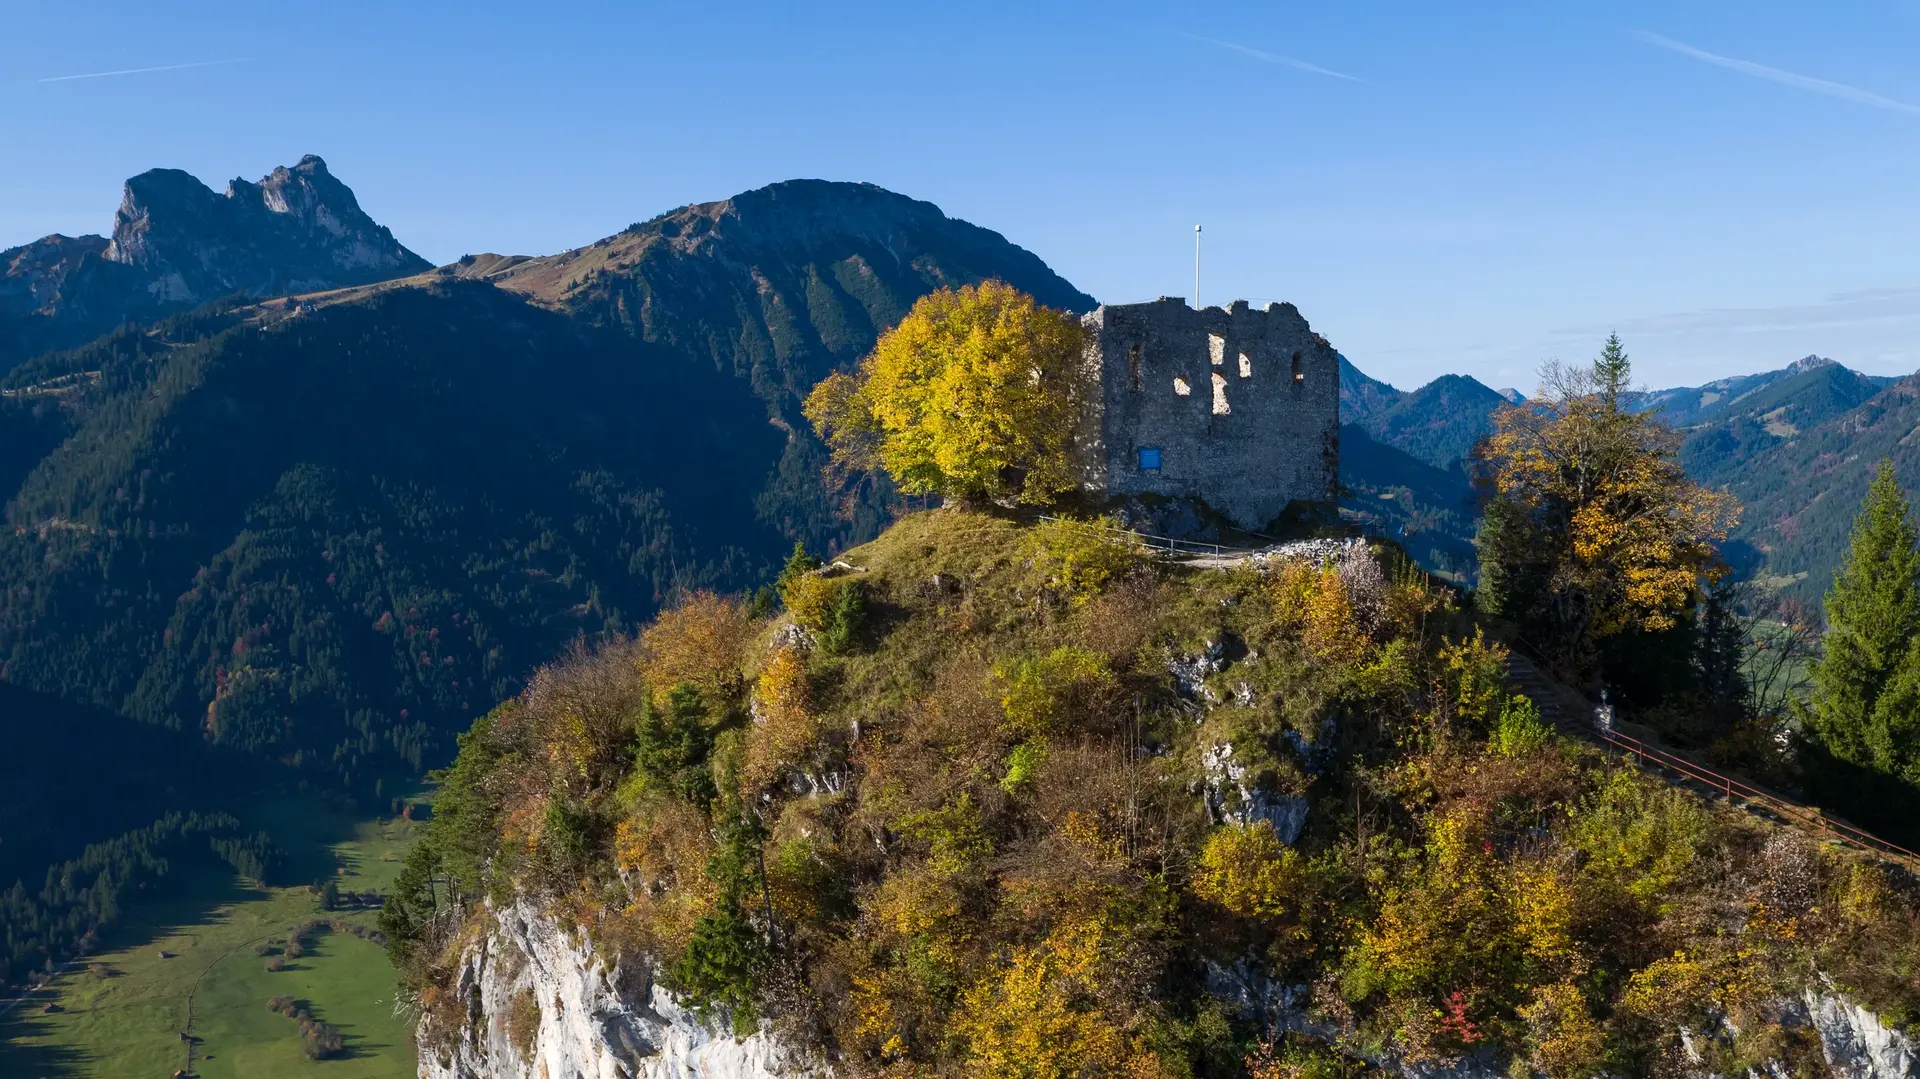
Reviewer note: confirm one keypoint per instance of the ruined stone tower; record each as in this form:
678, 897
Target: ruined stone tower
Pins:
1236, 406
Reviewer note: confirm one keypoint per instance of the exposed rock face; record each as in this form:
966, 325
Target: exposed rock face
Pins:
55, 291
1857, 1044
297, 230
1231, 800
546, 1006
177, 244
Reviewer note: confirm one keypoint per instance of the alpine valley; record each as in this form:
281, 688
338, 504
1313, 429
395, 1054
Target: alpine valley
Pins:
288, 509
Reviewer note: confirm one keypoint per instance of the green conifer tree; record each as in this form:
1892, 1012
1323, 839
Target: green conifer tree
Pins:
1612, 371
1873, 614
1893, 735
799, 564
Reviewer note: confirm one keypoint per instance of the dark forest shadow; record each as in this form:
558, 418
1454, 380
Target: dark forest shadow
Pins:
39, 1061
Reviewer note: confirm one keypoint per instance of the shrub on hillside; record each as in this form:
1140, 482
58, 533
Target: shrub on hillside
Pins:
1078, 561
321, 1041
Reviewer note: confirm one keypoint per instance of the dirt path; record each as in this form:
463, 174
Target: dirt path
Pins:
187, 1036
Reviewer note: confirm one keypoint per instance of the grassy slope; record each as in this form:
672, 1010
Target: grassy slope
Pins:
128, 1024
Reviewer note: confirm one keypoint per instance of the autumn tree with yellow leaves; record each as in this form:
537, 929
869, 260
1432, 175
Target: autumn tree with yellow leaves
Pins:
973, 395
1592, 528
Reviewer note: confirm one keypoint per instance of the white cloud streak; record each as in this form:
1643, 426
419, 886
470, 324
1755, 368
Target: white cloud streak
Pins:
1271, 58
1785, 78
141, 70
1869, 307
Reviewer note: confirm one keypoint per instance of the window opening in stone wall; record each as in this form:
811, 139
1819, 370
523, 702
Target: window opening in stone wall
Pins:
1246, 366
1298, 375
1149, 458
1133, 367
1216, 349
1220, 394
1180, 386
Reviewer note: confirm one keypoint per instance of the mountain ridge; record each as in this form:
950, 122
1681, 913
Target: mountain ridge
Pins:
1437, 423
196, 540
177, 244
851, 240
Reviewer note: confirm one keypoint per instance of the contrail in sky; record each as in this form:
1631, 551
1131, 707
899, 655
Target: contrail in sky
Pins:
1271, 58
1787, 78
141, 70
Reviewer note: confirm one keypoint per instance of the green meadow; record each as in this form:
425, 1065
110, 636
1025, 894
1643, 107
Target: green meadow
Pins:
189, 957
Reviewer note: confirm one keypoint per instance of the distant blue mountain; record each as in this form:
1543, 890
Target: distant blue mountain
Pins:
1437, 423
1690, 406
1772, 437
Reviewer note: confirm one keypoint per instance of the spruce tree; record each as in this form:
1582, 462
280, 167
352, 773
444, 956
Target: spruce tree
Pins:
1893, 735
1873, 613
1612, 372
1719, 656
799, 564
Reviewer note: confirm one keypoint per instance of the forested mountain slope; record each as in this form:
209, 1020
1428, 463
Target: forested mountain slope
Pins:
1437, 423
1691, 406
1432, 512
329, 531
98, 807
1801, 495
1362, 396
328, 537
779, 286
1776, 413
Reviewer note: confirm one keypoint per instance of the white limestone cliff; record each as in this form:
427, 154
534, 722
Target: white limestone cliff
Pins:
1857, 1044
543, 1003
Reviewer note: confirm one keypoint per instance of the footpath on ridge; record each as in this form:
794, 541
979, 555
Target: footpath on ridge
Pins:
1572, 714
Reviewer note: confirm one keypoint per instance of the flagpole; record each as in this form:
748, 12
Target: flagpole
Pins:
1196, 268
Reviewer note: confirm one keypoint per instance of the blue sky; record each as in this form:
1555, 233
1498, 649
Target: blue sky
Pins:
1730, 186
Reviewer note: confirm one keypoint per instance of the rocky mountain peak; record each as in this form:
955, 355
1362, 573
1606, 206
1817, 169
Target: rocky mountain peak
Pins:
792, 278
308, 192
177, 244
1808, 363
293, 230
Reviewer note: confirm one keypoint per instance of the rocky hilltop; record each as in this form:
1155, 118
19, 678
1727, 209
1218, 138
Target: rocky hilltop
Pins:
177, 244
996, 797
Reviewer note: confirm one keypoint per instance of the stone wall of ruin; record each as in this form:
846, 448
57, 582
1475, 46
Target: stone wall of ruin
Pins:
1242, 403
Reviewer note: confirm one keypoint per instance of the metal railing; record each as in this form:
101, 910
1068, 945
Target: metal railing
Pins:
1803, 815
1168, 543
1653, 756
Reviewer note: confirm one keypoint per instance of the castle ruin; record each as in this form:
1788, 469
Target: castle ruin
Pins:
1235, 406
